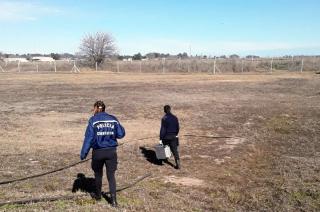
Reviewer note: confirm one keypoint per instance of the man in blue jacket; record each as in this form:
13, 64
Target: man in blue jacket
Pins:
169, 133
101, 135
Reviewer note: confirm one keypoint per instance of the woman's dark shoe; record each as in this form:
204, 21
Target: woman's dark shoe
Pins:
114, 201
95, 196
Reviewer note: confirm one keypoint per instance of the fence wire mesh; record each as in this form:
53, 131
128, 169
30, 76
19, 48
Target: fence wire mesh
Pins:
212, 66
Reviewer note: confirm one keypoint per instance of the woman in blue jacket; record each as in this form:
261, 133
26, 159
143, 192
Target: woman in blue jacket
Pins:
101, 135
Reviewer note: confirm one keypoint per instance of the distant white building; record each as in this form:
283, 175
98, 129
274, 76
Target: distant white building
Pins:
16, 59
127, 59
43, 59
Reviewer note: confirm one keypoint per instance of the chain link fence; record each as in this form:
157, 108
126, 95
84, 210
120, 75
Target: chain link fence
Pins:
212, 66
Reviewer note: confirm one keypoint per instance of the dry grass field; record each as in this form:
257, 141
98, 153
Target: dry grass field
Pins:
270, 163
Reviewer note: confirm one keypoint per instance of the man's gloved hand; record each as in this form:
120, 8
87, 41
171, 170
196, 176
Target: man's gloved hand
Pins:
160, 142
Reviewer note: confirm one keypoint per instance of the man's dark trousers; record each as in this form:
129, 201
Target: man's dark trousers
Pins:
173, 143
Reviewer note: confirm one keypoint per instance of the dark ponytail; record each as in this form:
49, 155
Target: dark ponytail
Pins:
100, 105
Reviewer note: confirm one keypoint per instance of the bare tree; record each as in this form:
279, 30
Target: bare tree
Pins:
98, 46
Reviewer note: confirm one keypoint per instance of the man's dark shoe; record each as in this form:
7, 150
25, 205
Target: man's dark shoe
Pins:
114, 201
178, 166
95, 196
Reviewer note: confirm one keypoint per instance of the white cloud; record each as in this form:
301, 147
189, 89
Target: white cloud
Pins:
24, 10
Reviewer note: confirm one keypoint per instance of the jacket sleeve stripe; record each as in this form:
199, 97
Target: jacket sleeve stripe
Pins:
110, 121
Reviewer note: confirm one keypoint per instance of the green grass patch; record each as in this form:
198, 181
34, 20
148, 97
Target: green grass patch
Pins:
10, 207
282, 124
51, 186
129, 201
302, 197
83, 202
61, 204
154, 185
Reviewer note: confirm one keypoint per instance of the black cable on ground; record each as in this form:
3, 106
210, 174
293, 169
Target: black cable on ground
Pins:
43, 199
190, 135
207, 136
69, 197
8, 155
45, 173
79, 162
140, 139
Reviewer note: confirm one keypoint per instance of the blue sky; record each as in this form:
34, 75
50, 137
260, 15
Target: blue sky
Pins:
203, 27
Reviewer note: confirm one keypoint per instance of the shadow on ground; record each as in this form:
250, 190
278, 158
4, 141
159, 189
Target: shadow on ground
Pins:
151, 157
84, 184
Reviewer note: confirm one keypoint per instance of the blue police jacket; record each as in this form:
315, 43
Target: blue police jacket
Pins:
102, 132
169, 126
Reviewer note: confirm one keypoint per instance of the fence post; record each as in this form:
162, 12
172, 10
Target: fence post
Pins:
75, 69
37, 65
118, 67
140, 66
271, 65
1, 68
163, 63
55, 66
96, 66
314, 62
301, 66
214, 66
242, 65
19, 66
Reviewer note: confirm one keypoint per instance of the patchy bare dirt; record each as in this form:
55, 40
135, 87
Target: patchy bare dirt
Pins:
185, 181
271, 162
